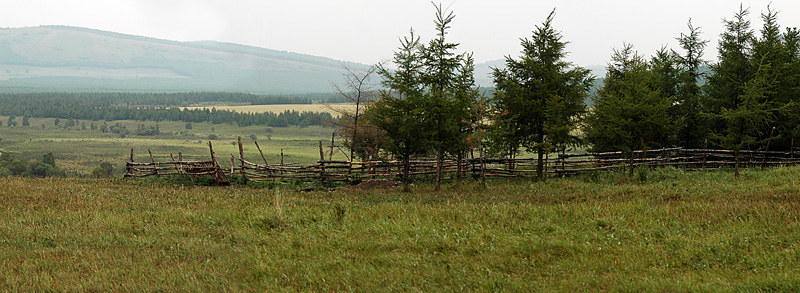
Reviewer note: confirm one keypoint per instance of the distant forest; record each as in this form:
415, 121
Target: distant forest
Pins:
161, 107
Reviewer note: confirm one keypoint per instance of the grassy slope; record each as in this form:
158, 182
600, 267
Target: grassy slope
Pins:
681, 231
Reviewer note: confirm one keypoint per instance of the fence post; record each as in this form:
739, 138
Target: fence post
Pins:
180, 159
219, 174
241, 158
321, 163
265, 160
330, 156
128, 166
176, 163
705, 154
155, 168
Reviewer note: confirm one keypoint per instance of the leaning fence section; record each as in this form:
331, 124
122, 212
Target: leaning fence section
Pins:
560, 164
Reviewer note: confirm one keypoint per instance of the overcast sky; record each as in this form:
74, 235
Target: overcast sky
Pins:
367, 31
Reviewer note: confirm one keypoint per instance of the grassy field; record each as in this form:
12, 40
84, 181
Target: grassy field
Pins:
82, 150
676, 232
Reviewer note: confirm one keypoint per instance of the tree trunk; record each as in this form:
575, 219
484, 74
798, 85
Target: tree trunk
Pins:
540, 165
630, 164
736, 164
459, 170
439, 162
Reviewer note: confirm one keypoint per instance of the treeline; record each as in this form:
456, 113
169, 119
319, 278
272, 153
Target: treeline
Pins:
750, 99
283, 119
22, 100
140, 107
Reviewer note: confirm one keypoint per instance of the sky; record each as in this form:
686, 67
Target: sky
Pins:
367, 31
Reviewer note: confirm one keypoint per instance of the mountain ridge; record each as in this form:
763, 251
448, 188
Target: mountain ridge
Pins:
64, 58
76, 59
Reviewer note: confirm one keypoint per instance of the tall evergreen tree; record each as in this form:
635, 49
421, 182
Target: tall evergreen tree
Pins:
539, 97
774, 49
750, 120
734, 68
430, 98
687, 106
397, 113
629, 113
445, 109
665, 73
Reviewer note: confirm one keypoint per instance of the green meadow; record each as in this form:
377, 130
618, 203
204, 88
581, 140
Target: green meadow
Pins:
661, 230
82, 150
675, 231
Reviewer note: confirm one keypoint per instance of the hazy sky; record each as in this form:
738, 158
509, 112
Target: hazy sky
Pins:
367, 31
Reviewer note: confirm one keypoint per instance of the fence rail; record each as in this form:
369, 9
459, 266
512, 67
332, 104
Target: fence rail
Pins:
561, 164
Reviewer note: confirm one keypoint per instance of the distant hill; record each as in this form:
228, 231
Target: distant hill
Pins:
71, 59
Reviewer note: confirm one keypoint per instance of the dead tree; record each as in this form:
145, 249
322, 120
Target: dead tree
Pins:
357, 89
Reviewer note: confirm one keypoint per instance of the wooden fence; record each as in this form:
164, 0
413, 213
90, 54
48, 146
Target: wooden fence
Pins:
561, 164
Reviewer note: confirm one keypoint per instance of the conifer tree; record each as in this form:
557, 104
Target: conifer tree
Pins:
629, 114
687, 106
734, 69
397, 113
748, 122
444, 108
539, 96
428, 107
779, 52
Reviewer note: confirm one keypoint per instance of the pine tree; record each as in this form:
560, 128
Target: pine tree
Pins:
539, 97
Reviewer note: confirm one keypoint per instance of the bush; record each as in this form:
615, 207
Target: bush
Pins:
104, 170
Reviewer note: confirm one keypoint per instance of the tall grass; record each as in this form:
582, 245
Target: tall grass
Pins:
674, 231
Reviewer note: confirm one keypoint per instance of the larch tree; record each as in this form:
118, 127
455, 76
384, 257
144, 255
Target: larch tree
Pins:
751, 119
539, 97
629, 114
429, 105
688, 103
448, 96
397, 113
779, 51
734, 68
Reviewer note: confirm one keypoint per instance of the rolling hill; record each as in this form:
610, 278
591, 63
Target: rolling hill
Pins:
71, 59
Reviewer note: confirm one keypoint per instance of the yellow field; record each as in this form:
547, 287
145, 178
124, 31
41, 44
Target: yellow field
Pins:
331, 108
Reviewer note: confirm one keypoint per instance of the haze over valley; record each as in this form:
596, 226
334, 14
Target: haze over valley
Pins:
73, 59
